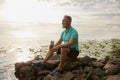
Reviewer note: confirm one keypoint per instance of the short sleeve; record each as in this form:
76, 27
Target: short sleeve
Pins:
74, 35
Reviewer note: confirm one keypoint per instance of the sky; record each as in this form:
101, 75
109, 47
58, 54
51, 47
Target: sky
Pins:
45, 10
91, 17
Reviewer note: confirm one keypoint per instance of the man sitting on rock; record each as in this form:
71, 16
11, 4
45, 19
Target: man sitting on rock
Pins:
69, 49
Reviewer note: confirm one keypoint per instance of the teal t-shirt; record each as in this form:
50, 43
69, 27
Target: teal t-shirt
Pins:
69, 34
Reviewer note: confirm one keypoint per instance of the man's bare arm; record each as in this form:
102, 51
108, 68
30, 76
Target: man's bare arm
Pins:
70, 43
58, 42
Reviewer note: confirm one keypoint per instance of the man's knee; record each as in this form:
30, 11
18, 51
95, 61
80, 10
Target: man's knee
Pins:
52, 49
65, 50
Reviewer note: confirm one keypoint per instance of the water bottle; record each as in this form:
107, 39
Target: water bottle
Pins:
51, 44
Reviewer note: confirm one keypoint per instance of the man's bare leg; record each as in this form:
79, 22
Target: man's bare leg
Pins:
49, 54
63, 57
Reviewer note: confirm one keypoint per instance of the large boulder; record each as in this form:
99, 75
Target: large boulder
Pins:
51, 64
111, 69
24, 72
78, 72
98, 64
112, 66
113, 77
87, 60
98, 72
43, 73
68, 66
65, 76
85, 68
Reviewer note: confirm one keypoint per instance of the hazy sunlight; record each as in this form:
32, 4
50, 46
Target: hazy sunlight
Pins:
22, 11
23, 34
23, 56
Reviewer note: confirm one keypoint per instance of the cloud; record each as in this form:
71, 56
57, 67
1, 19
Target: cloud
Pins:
105, 6
1, 1
101, 3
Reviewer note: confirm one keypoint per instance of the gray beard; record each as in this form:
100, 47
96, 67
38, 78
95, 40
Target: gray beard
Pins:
63, 26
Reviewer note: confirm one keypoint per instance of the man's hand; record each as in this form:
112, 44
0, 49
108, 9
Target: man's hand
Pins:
55, 48
70, 43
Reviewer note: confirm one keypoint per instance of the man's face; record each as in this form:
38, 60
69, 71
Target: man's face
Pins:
65, 22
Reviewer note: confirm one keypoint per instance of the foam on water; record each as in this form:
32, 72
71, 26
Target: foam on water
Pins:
8, 57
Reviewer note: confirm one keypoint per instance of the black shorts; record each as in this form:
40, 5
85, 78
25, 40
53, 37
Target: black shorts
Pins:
72, 54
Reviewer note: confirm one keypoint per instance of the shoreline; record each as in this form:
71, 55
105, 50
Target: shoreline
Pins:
95, 49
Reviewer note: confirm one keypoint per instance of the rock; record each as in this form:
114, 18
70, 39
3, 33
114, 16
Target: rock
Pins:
57, 76
76, 79
87, 60
78, 72
103, 60
111, 69
29, 63
112, 66
68, 76
47, 78
65, 76
40, 78
24, 72
107, 66
19, 65
104, 78
82, 79
37, 69
98, 64
51, 64
25, 69
17, 74
36, 57
43, 73
22, 64
114, 61
81, 69
113, 77
94, 77
98, 72
82, 76
87, 69
72, 65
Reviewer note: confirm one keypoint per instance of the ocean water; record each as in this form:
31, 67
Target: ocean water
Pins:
9, 55
27, 50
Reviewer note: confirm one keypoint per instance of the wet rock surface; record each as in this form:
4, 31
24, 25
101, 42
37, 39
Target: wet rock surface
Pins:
84, 68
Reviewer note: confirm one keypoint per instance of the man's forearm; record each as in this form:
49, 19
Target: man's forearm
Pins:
70, 43
58, 43
65, 45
